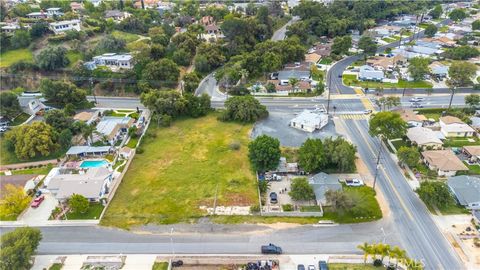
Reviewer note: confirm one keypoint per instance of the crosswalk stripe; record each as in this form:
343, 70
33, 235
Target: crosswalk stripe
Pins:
353, 116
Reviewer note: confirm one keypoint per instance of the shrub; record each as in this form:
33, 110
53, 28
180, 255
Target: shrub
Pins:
287, 207
234, 145
255, 208
377, 263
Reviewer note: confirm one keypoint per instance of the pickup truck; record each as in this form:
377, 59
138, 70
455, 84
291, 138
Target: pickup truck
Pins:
354, 182
271, 249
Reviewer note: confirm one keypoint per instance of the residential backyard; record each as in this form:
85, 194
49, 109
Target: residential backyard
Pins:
182, 167
351, 80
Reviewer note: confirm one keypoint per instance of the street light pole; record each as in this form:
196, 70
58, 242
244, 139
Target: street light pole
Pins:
377, 164
329, 89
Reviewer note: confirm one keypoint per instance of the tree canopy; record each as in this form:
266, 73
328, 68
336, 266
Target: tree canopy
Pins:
52, 58
301, 190
435, 193
408, 156
368, 45
431, 30
173, 104
264, 153
14, 200
33, 140
162, 73
387, 124
341, 45
472, 100
311, 155
418, 68
18, 247
245, 109
457, 14
436, 12
9, 105
78, 203
460, 73
462, 53
62, 92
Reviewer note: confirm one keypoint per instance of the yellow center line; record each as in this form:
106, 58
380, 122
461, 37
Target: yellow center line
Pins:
386, 176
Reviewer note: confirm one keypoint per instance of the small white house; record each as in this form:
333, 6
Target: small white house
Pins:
309, 121
111, 60
368, 73
54, 12
63, 26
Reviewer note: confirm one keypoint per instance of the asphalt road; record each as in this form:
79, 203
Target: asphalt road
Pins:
281, 32
418, 233
336, 71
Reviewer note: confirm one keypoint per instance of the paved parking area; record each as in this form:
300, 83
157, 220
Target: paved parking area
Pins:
276, 125
42, 213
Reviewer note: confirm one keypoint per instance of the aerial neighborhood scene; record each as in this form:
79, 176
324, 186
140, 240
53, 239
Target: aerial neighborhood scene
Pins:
239, 134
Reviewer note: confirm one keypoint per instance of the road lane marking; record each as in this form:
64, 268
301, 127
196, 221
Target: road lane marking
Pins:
402, 203
367, 104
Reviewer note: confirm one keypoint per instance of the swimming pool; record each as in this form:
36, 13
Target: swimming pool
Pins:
93, 163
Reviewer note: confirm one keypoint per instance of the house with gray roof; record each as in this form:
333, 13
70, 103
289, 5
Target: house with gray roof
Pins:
466, 190
321, 183
82, 151
93, 183
112, 128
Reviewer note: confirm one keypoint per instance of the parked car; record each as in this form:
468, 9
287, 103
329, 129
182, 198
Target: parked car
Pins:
300, 267
417, 99
367, 112
354, 182
273, 197
36, 203
416, 105
271, 249
322, 265
311, 267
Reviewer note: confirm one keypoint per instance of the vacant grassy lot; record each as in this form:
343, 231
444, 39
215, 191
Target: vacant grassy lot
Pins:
351, 80
180, 169
10, 57
128, 37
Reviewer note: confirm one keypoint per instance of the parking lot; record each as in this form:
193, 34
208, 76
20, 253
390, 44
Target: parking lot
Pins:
277, 125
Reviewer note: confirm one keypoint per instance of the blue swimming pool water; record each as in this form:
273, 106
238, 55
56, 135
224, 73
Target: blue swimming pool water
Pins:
93, 163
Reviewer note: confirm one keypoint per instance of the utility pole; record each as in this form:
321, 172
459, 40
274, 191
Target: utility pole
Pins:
377, 164
329, 89
93, 90
451, 97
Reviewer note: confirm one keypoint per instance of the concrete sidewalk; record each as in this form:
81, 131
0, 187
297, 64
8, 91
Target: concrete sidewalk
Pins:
50, 223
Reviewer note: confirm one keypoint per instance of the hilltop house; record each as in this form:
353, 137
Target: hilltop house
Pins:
113, 61
466, 189
452, 126
444, 162
309, 121
63, 26
50, 12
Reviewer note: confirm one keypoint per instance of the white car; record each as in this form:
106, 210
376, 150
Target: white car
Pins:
417, 99
311, 267
354, 182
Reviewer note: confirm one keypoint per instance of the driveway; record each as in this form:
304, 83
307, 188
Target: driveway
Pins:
276, 125
34, 216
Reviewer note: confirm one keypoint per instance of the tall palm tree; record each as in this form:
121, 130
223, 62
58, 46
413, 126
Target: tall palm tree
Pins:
87, 133
398, 254
383, 250
366, 248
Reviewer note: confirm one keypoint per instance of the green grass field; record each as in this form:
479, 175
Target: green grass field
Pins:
460, 142
94, 212
128, 37
73, 57
10, 57
351, 80
180, 169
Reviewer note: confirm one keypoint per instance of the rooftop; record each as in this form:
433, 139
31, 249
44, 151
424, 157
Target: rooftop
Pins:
322, 182
466, 188
444, 160
89, 184
422, 136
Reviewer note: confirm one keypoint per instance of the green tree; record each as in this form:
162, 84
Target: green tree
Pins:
9, 105
460, 74
14, 200
409, 156
431, 30
436, 12
246, 109
311, 155
301, 190
58, 120
182, 57
367, 251
338, 200
65, 138
52, 58
197, 106
264, 153
341, 45
20, 39
435, 194
164, 102
69, 109
61, 92
472, 100
161, 73
387, 124
476, 25
109, 44
18, 247
457, 14
78, 203
462, 53
340, 154
191, 81
39, 29
368, 45
418, 68
33, 140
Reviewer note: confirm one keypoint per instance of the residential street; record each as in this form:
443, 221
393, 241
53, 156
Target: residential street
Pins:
417, 231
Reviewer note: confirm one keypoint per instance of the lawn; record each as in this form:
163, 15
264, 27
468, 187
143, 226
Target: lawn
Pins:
388, 39
19, 119
179, 168
128, 37
73, 57
460, 142
132, 143
443, 29
9, 157
160, 266
94, 212
326, 61
10, 57
399, 143
40, 171
473, 169
351, 80
352, 266
56, 266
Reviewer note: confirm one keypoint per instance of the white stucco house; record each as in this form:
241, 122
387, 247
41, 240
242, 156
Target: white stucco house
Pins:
63, 26
309, 121
452, 126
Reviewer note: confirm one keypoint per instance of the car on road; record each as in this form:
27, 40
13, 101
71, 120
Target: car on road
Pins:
367, 112
300, 267
322, 265
36, 203
311, 267
354, 182
417, 99
271, 249
273, 197
416, 105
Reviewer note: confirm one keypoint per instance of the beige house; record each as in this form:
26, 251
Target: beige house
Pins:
444, 162
412, 118
472, 152
424, 138
452, 126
